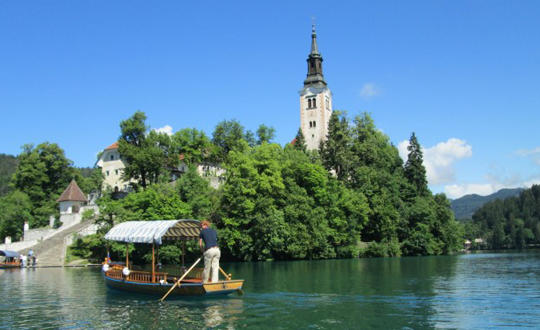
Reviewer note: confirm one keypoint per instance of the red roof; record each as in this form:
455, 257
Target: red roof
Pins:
113, 146
72, 193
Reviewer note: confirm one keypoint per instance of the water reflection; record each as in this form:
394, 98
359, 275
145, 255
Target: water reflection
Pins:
464, 291
213, 316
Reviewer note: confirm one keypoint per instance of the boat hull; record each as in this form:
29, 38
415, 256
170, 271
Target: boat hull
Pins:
186, 289
7, 266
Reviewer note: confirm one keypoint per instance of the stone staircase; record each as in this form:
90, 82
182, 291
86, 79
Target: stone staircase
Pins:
49, 252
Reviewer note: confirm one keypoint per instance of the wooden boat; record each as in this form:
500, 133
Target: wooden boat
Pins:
10, 259
175, 281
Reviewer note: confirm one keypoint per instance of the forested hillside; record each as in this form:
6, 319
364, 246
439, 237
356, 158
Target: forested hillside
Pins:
465, 206
510, 223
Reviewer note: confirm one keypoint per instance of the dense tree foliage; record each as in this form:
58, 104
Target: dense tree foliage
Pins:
402, 218
415, 171
197, 193
188, 197
90, 181
8, 165
16, 208
147, 155
194, 146
336, 151
277, 204
265, 134
228, 135
300, 141
43, 173
510, 223
352, 197
40, 175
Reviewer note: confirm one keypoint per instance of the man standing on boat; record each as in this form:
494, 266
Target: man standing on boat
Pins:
210, 250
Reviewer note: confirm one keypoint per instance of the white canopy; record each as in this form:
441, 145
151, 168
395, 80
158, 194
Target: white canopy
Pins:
153, 231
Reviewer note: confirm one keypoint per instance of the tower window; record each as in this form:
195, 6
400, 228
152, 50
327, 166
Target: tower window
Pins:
309, 103
314, 103
314, 124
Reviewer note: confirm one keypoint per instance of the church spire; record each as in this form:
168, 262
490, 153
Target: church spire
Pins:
315, 76
314, 49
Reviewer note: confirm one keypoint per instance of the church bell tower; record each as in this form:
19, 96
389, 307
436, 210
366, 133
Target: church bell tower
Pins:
315, 99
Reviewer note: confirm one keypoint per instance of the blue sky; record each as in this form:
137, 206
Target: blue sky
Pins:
463, 75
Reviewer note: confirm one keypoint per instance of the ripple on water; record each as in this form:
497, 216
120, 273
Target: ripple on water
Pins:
410, 293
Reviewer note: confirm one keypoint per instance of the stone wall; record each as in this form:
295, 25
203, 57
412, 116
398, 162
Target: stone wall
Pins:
17, 246
38, 234
35, 236
90, 230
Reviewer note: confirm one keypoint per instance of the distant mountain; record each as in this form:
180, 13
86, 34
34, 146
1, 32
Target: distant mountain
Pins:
465, 206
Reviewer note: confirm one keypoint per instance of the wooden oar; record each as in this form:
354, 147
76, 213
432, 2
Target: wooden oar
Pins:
225, 274
181, 278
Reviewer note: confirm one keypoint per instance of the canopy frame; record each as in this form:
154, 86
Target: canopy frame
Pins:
154, 231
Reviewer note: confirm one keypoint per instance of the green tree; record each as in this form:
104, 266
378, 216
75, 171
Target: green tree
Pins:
446, 228
43, 173
110, 211
193, 144
300, 141
378, 174
197, 193
147, 156
8, 165
157, 202
265, 134
512, 222
15, 209
228, 135
336, 150
498, 236
278, 204
414, 171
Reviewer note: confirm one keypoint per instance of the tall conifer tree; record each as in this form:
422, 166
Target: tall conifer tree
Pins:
415, 172
300, 141
336, 151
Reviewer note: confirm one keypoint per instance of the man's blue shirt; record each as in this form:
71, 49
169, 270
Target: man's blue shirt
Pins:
209, 236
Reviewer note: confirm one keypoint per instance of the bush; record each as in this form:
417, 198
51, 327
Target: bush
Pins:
92, 247
88, 214
381, 249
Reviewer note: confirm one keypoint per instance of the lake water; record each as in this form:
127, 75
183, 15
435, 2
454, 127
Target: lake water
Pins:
467, 291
